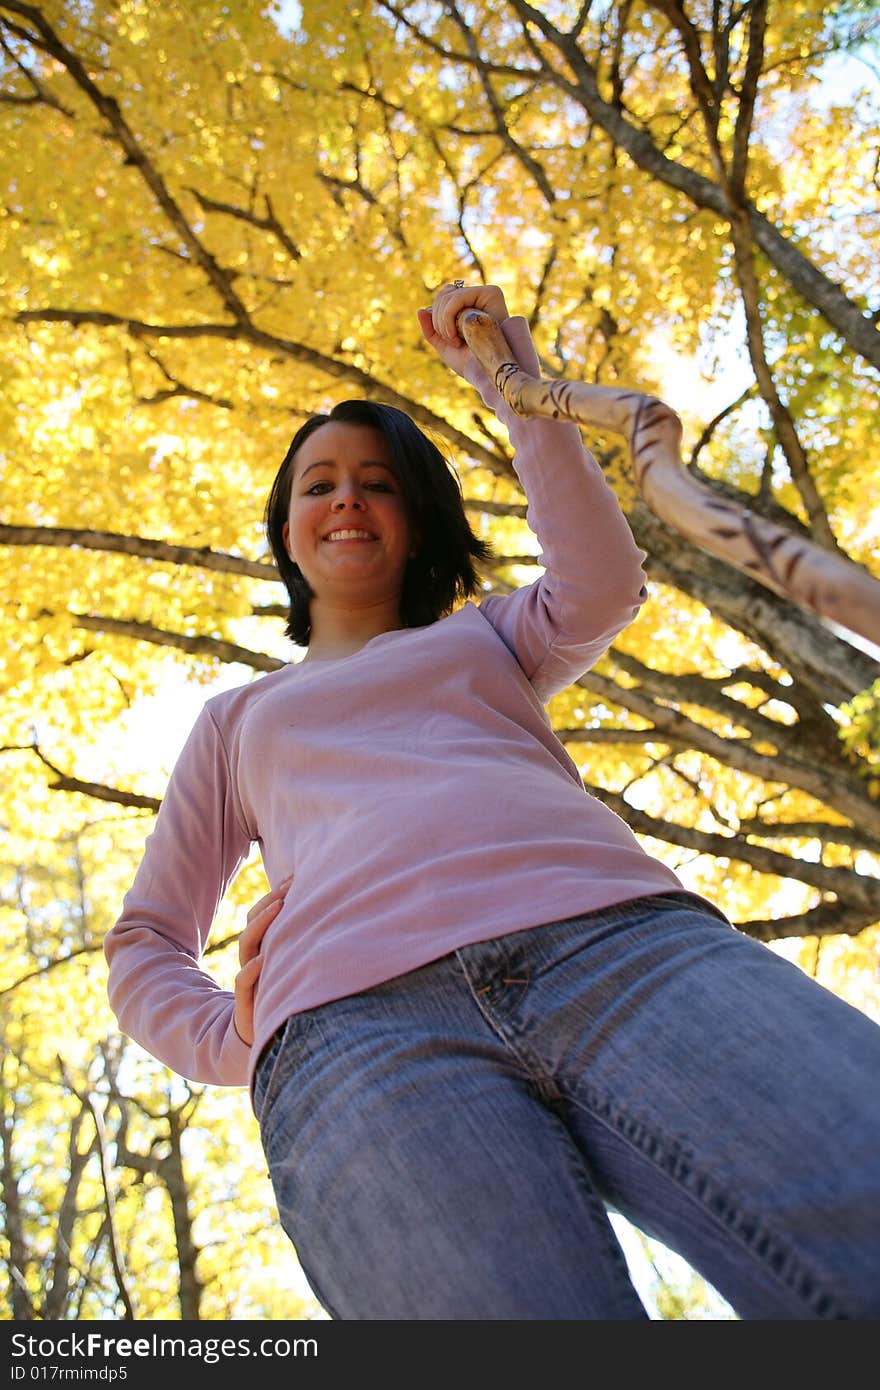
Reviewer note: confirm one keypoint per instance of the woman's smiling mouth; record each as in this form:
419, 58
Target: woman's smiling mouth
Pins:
349, 533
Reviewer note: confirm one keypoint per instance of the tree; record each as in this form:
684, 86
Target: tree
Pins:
186, 274
125, 1192
216, 222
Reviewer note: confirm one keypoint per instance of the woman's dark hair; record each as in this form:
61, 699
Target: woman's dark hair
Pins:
444, 568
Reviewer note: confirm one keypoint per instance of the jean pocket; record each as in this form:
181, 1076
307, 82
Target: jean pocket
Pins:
278, 1059
265, 1066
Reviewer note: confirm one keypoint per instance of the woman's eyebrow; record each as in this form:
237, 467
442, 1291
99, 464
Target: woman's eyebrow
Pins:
362, 463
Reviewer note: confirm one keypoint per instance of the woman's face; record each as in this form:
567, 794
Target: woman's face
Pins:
347, 526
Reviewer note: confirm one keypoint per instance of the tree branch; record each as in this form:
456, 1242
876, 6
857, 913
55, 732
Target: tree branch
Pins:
502, 69
708, 430
267, 223
851, 888
66, 537
369, 385
784, 425
65, 783
39, 95
827, 919
710, 693
747, 98
502, 129
849, 320
700, 83
849, 836
822, 783
116, 1255
831, 669
195, 645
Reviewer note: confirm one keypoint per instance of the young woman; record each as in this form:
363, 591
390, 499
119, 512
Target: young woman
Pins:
474, 1013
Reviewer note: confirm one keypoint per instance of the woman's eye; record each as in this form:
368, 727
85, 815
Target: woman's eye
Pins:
323, 486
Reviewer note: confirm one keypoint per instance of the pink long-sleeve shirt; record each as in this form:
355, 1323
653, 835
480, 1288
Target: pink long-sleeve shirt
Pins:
415, 789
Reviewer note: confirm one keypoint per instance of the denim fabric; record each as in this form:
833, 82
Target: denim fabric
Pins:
447, 1144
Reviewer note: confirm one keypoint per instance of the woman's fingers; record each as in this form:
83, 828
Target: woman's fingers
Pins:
259, 919
452, 299
245, 983
247, 975
270, 897
439, 323
426, 323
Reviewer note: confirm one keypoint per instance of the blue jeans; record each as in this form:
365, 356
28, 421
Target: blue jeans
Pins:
447, 1145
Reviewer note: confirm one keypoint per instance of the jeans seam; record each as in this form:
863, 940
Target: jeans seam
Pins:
551, 1095
578, 1164
783, 1264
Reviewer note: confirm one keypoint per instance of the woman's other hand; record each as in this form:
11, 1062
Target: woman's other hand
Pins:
438, 322
259, 919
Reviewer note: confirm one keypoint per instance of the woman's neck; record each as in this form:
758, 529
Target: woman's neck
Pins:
341, 632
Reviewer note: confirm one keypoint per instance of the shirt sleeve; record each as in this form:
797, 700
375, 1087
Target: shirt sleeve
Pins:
593, 582
158, 991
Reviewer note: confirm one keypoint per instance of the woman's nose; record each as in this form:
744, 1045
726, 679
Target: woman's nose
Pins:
347, 496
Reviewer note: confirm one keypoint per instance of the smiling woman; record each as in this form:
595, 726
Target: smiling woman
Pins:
475, 1015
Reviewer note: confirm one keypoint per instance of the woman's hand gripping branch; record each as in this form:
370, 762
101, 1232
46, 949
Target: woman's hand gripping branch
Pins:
438, 324
259, 920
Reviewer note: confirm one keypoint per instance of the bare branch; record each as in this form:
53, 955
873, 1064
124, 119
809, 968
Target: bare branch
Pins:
65, 783
530, 164
39, 95
167, 552
179, 388
700, 83
839, 918
20, 1297
116, 1255
267, 223
39, 972
368, 385
826, 832
710, 693
857, 890
214, 647
830, 668
784, 425
748, 96
502, 69
671, 725
77, 1161
708, 430
612, 734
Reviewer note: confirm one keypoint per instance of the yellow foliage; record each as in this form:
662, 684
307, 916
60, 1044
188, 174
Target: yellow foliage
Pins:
244, 239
